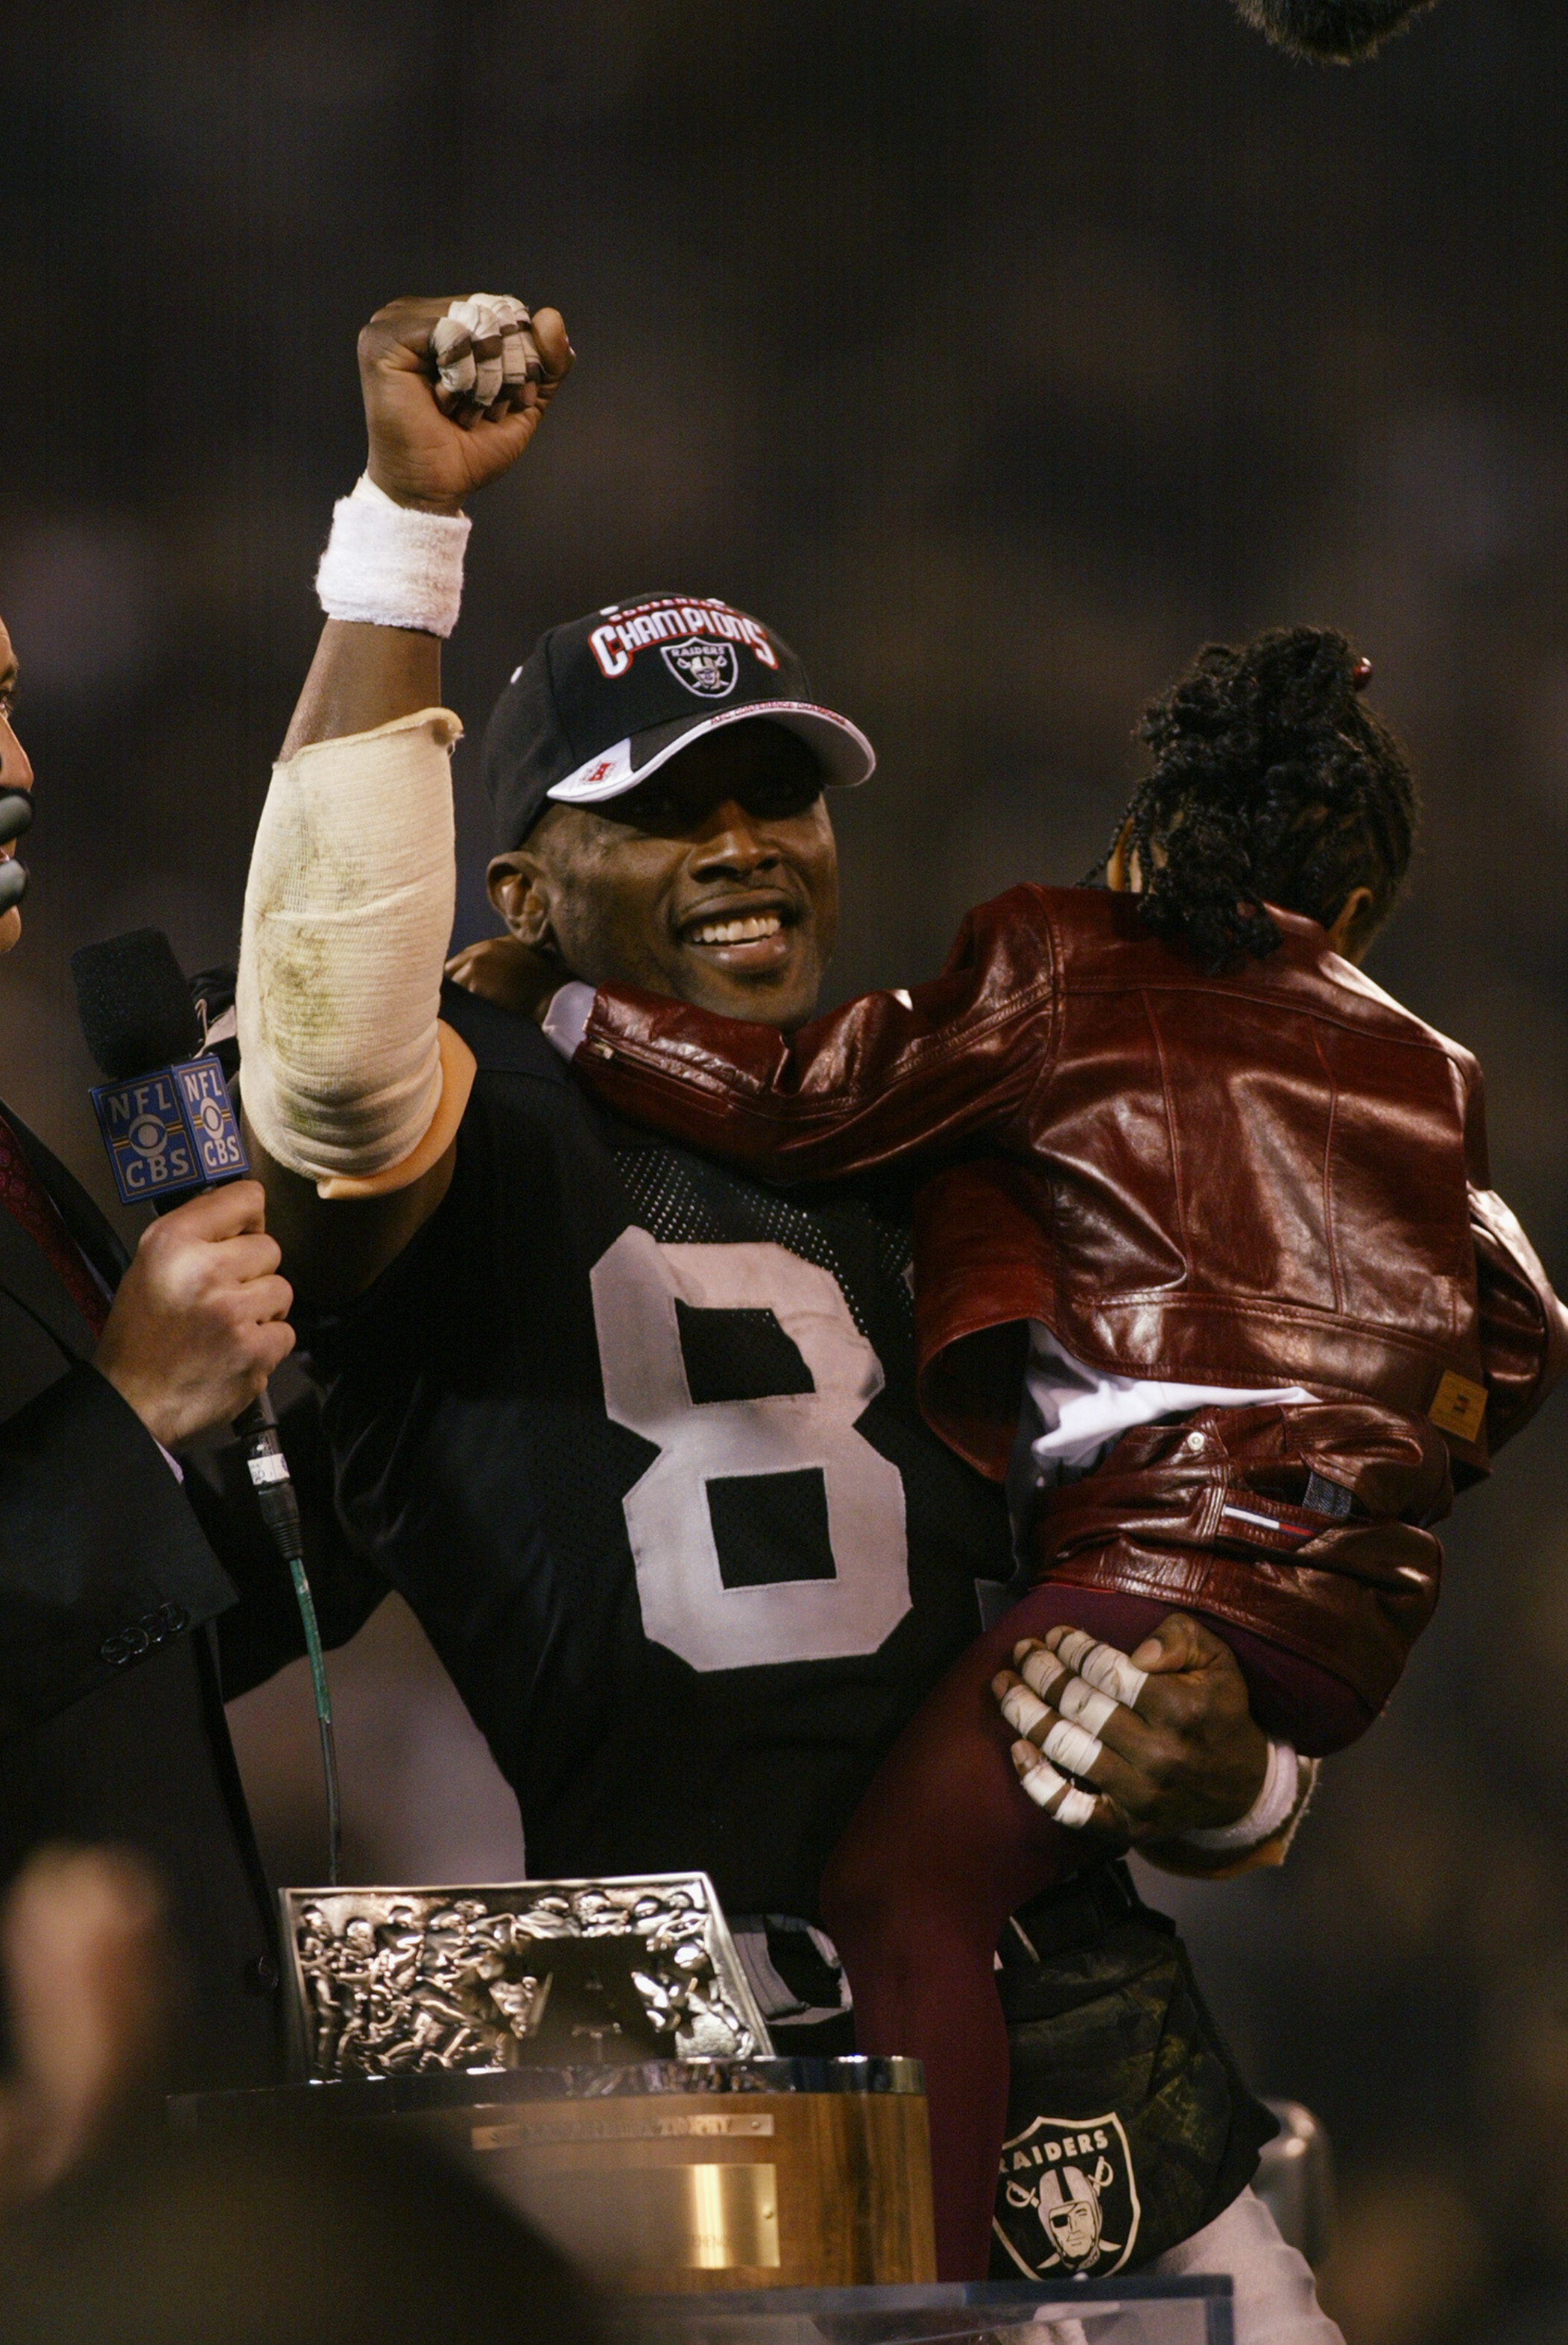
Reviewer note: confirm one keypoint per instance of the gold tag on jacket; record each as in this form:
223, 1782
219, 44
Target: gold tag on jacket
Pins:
1459, 1407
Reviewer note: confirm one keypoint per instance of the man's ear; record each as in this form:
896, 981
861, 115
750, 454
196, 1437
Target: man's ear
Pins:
518, 887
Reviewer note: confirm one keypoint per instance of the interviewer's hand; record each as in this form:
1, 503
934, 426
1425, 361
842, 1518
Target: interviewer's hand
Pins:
511, 974
420, 454
200, 1321
1185, 1755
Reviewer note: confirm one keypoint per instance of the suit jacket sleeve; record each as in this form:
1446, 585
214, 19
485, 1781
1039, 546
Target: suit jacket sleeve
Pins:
871, 1082
101, 1557
1524, 1327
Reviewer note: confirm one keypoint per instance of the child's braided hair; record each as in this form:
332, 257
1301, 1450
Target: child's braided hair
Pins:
1273, 783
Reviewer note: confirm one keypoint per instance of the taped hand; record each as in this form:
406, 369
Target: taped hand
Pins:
1137, 1749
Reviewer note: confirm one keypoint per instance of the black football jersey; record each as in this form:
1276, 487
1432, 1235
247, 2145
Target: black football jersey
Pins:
637, 1440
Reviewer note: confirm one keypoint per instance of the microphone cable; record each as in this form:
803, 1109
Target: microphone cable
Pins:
256, 1431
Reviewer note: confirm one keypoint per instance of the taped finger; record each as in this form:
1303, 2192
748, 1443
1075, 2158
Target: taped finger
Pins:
1103, 1667
475, 311
1022, 1711
489, 383
1039, 1668
489, 349
1078, 1701
533, 372
1051, 1791
512, 315
522, 366
451, 347
1071, 1747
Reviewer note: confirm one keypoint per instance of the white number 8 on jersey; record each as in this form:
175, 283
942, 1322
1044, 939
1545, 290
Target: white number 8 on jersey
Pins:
685, 1604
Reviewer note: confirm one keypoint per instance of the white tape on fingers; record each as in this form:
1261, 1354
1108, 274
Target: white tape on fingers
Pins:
1113, 1674
514, 358
1070, 1807
1022, 1711
1071, 1747
511, 313
489, 380
520, 363
1080, 1702
1072, 1644
1042, 1670
1102, 1666
533, 362
451, 347
471, 311
1044, 1784
1076, 1809
1060, 1799
484, 322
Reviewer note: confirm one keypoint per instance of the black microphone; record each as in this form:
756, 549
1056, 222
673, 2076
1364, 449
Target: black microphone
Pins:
170, 1130
165, 1112
16, 815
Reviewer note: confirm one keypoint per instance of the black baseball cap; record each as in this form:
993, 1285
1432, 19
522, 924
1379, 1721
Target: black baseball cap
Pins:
605, 701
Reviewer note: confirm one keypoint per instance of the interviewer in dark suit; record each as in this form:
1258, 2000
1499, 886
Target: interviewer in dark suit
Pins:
111, 1718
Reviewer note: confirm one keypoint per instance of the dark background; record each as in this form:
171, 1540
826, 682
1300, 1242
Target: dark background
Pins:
1000, 351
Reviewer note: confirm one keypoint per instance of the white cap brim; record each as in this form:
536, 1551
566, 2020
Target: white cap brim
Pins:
846, 754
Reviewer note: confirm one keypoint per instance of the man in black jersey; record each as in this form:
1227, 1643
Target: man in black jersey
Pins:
637, 1438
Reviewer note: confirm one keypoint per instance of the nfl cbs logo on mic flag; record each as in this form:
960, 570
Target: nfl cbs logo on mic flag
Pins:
169, 1131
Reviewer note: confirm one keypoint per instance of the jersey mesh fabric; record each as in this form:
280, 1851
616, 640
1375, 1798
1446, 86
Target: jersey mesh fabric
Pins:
670, 1194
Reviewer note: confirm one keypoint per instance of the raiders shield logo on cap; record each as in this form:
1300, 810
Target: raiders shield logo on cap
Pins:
1067, 2200
707, 669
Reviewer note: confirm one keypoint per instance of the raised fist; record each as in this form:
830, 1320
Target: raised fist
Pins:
454, 392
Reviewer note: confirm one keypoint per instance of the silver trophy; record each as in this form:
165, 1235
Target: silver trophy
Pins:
553, 1973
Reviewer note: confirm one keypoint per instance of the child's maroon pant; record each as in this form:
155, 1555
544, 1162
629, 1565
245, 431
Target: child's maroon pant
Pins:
946, 1843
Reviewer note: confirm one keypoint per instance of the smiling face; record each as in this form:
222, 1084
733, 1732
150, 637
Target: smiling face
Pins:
716, 882
15, 773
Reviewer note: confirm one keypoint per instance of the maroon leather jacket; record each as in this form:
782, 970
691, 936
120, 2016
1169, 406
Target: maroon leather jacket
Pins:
1274, 1177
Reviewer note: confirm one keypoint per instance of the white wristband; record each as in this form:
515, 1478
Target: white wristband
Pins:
1270, 1811
388, 565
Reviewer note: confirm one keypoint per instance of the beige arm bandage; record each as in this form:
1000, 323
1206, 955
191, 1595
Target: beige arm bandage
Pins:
348, 1078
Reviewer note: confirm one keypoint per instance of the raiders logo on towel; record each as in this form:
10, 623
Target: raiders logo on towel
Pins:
1065, 2198
705, 668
